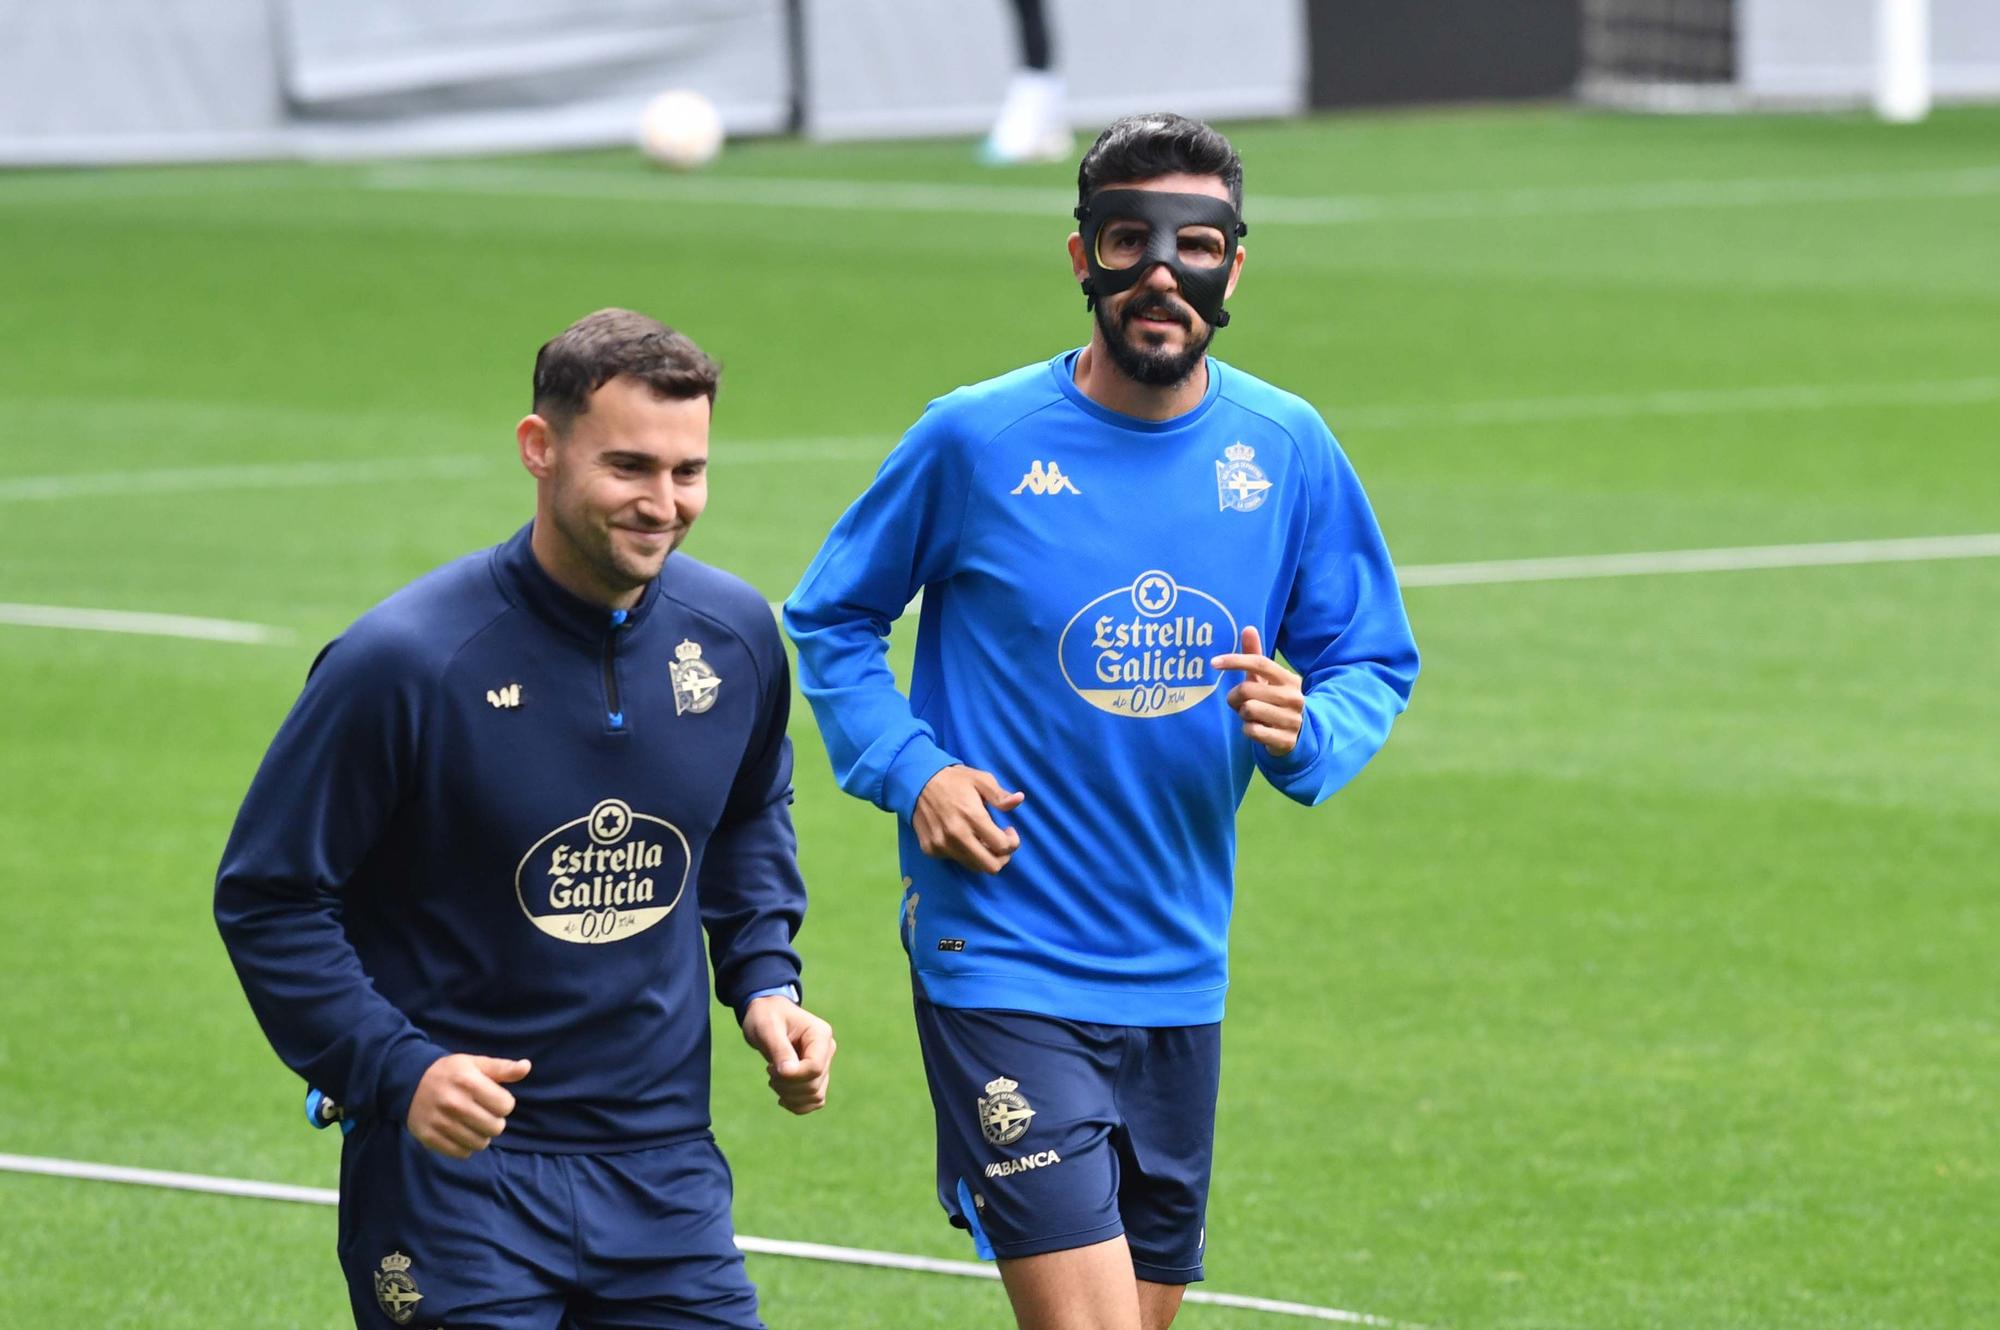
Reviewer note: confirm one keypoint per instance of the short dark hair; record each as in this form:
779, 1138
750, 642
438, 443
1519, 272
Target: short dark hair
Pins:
611, 343
1142, 147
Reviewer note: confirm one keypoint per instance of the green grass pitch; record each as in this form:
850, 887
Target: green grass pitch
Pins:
1647, 979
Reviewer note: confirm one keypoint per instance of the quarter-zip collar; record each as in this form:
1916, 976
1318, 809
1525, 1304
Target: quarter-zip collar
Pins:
524, 581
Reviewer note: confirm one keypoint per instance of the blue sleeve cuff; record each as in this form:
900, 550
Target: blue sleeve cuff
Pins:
401, 1072
1304, 753
913, 768
783, 990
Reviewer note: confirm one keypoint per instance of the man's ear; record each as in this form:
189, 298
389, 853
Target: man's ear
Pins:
1079, 262
1235, 273
536, 439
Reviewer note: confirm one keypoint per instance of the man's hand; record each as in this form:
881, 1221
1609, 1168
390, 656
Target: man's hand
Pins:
1269, 699
798, 1046
951, 820
462, 1103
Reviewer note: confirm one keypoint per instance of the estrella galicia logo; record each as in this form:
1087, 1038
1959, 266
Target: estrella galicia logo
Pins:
1143, 649
605, 876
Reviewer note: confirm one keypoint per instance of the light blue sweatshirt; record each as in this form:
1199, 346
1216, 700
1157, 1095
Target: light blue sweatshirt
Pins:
1079, 568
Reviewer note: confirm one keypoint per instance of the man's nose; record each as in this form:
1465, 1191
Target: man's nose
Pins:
1160, 277
656, 495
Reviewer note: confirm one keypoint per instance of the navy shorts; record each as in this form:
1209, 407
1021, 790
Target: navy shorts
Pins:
1053, 1134
519, 1240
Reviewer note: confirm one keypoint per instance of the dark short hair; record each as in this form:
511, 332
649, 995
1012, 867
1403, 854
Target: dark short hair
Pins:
1143, 147
614, 343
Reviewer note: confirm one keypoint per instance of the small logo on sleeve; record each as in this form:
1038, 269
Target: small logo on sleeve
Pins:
504, 698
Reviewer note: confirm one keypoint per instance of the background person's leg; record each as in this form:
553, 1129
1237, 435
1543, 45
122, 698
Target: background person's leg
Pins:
1083, 1288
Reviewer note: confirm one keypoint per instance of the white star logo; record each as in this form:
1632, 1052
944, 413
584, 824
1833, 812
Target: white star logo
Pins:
1154, 593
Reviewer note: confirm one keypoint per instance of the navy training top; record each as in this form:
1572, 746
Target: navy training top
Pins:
497, 821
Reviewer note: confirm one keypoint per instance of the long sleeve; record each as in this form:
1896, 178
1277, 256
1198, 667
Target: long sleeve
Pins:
1345, 631
752, 897
327, 789
899, 536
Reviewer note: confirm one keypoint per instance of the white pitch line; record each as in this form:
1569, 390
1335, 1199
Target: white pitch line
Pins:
1666, 402
1332, 210
1670, 402
1745, 558
144, 625
366, 471
208, 1184
1725, 560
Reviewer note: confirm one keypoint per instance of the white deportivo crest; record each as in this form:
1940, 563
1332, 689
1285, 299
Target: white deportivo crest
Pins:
1239, 482
395, 1291
1050, 481
506, 697
695, 680
1004, 1115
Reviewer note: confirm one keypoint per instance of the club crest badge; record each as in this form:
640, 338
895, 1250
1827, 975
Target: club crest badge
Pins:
1240, 482
395, 1291
695, 681
1003, 1114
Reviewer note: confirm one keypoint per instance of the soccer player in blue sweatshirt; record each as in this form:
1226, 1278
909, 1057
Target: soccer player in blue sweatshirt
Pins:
467, 891
1105, 544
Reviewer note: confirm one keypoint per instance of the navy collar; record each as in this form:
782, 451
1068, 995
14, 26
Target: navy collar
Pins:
526, 582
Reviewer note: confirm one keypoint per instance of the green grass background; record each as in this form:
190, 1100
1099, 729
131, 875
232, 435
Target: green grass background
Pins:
1647, 979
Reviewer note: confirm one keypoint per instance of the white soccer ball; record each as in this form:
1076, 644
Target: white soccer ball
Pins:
681, 129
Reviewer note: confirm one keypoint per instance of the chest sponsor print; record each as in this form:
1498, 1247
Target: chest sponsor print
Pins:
1143, 649
603, 877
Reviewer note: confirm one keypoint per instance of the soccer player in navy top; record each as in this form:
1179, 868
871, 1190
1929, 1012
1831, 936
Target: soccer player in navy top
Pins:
1105, 542
467, 892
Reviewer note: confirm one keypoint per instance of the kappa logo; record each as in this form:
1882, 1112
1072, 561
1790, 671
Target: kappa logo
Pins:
1049, 481
1240, 482
506, 698
695, 680
395, 1291
1004, 1115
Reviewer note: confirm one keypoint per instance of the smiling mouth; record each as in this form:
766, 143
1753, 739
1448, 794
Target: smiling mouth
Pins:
1158, 314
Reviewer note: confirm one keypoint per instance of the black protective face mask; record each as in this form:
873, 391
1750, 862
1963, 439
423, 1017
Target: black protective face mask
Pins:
1164, 215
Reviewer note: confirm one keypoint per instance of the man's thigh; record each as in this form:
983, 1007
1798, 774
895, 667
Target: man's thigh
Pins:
425, 1240
658, 1244
1166, 1143
517, 1240
1025, 1118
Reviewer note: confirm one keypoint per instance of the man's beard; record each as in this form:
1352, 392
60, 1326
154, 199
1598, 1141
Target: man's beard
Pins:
594, 543
1154, 367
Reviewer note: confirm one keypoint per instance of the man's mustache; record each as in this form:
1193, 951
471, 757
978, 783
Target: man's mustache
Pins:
1157, 308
